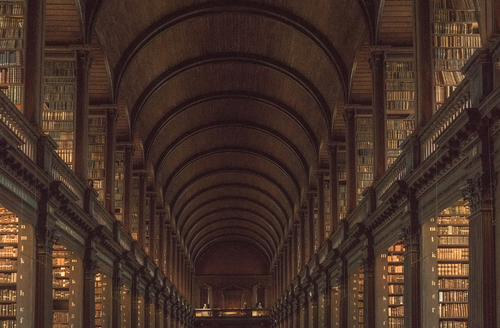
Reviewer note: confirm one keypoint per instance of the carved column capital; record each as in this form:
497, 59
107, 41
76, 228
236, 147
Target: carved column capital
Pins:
472, 192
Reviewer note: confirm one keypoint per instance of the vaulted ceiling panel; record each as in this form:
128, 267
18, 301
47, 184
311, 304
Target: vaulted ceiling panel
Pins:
230, 102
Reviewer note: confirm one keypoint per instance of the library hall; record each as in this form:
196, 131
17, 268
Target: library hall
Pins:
249, 163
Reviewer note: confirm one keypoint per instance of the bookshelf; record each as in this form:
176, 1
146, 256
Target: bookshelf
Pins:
9, 266
147, 225
98, 300
327, 204
316, 221
12, 49
16, 267
399, 100
156, 240
61, 271
125, 306
453, 266
357, 292
134, 196
119, 184
96, 170
59, 97
395, 285
364, 153
342, 185
455, 39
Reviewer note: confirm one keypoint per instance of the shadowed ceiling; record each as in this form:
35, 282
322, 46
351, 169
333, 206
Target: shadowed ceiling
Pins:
231, 102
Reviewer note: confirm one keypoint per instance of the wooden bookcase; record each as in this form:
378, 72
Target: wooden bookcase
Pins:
316, 221
61, 285
96, 169
16, 267
342, 185
119, 184
59, 103
356, 299
456, 38
453, 266
134, 196
399, 100
327, 204
12, 49
98, 301
395, 285
364, 152
147, 226
125, 306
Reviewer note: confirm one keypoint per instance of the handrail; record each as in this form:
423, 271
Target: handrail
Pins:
18, 123
397, 171
449, 111
61, 172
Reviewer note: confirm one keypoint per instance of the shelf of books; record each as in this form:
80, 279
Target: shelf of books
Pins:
16, 254
456, 37
102, 300
61, 284
125, 306
453, 266
399, 100
147, 221
356, 299
11, 49
119, 184
446, 267
342, 186
395, 285
96, 170
98, 301
316, 221
327, 204
156, 240
134, 208
364, 153
335, 306
59, 97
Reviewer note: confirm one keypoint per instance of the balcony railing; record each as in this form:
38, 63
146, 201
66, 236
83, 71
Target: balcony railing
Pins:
243, 313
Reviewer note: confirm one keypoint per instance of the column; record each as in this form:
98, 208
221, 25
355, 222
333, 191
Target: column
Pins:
116, 305
161, 251
302, 241
83, 60
294, 250
321, 208
482, 278
343, 293
134, 297
153, 229
296, 313
422, 45
368, 265
378, 112
34, 59
310, 224
147, 308
326, 292
489, 19
109, 200
290, 258
334, 178
142, 210
305, 311
350, 127
89, 272
129, 163
45, 239
411, 239
313, 302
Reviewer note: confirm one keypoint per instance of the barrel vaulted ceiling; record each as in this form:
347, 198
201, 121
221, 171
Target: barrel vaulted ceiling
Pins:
232, 103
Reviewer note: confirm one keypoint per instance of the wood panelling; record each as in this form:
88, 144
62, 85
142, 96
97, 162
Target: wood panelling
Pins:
396, 23
62, 23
